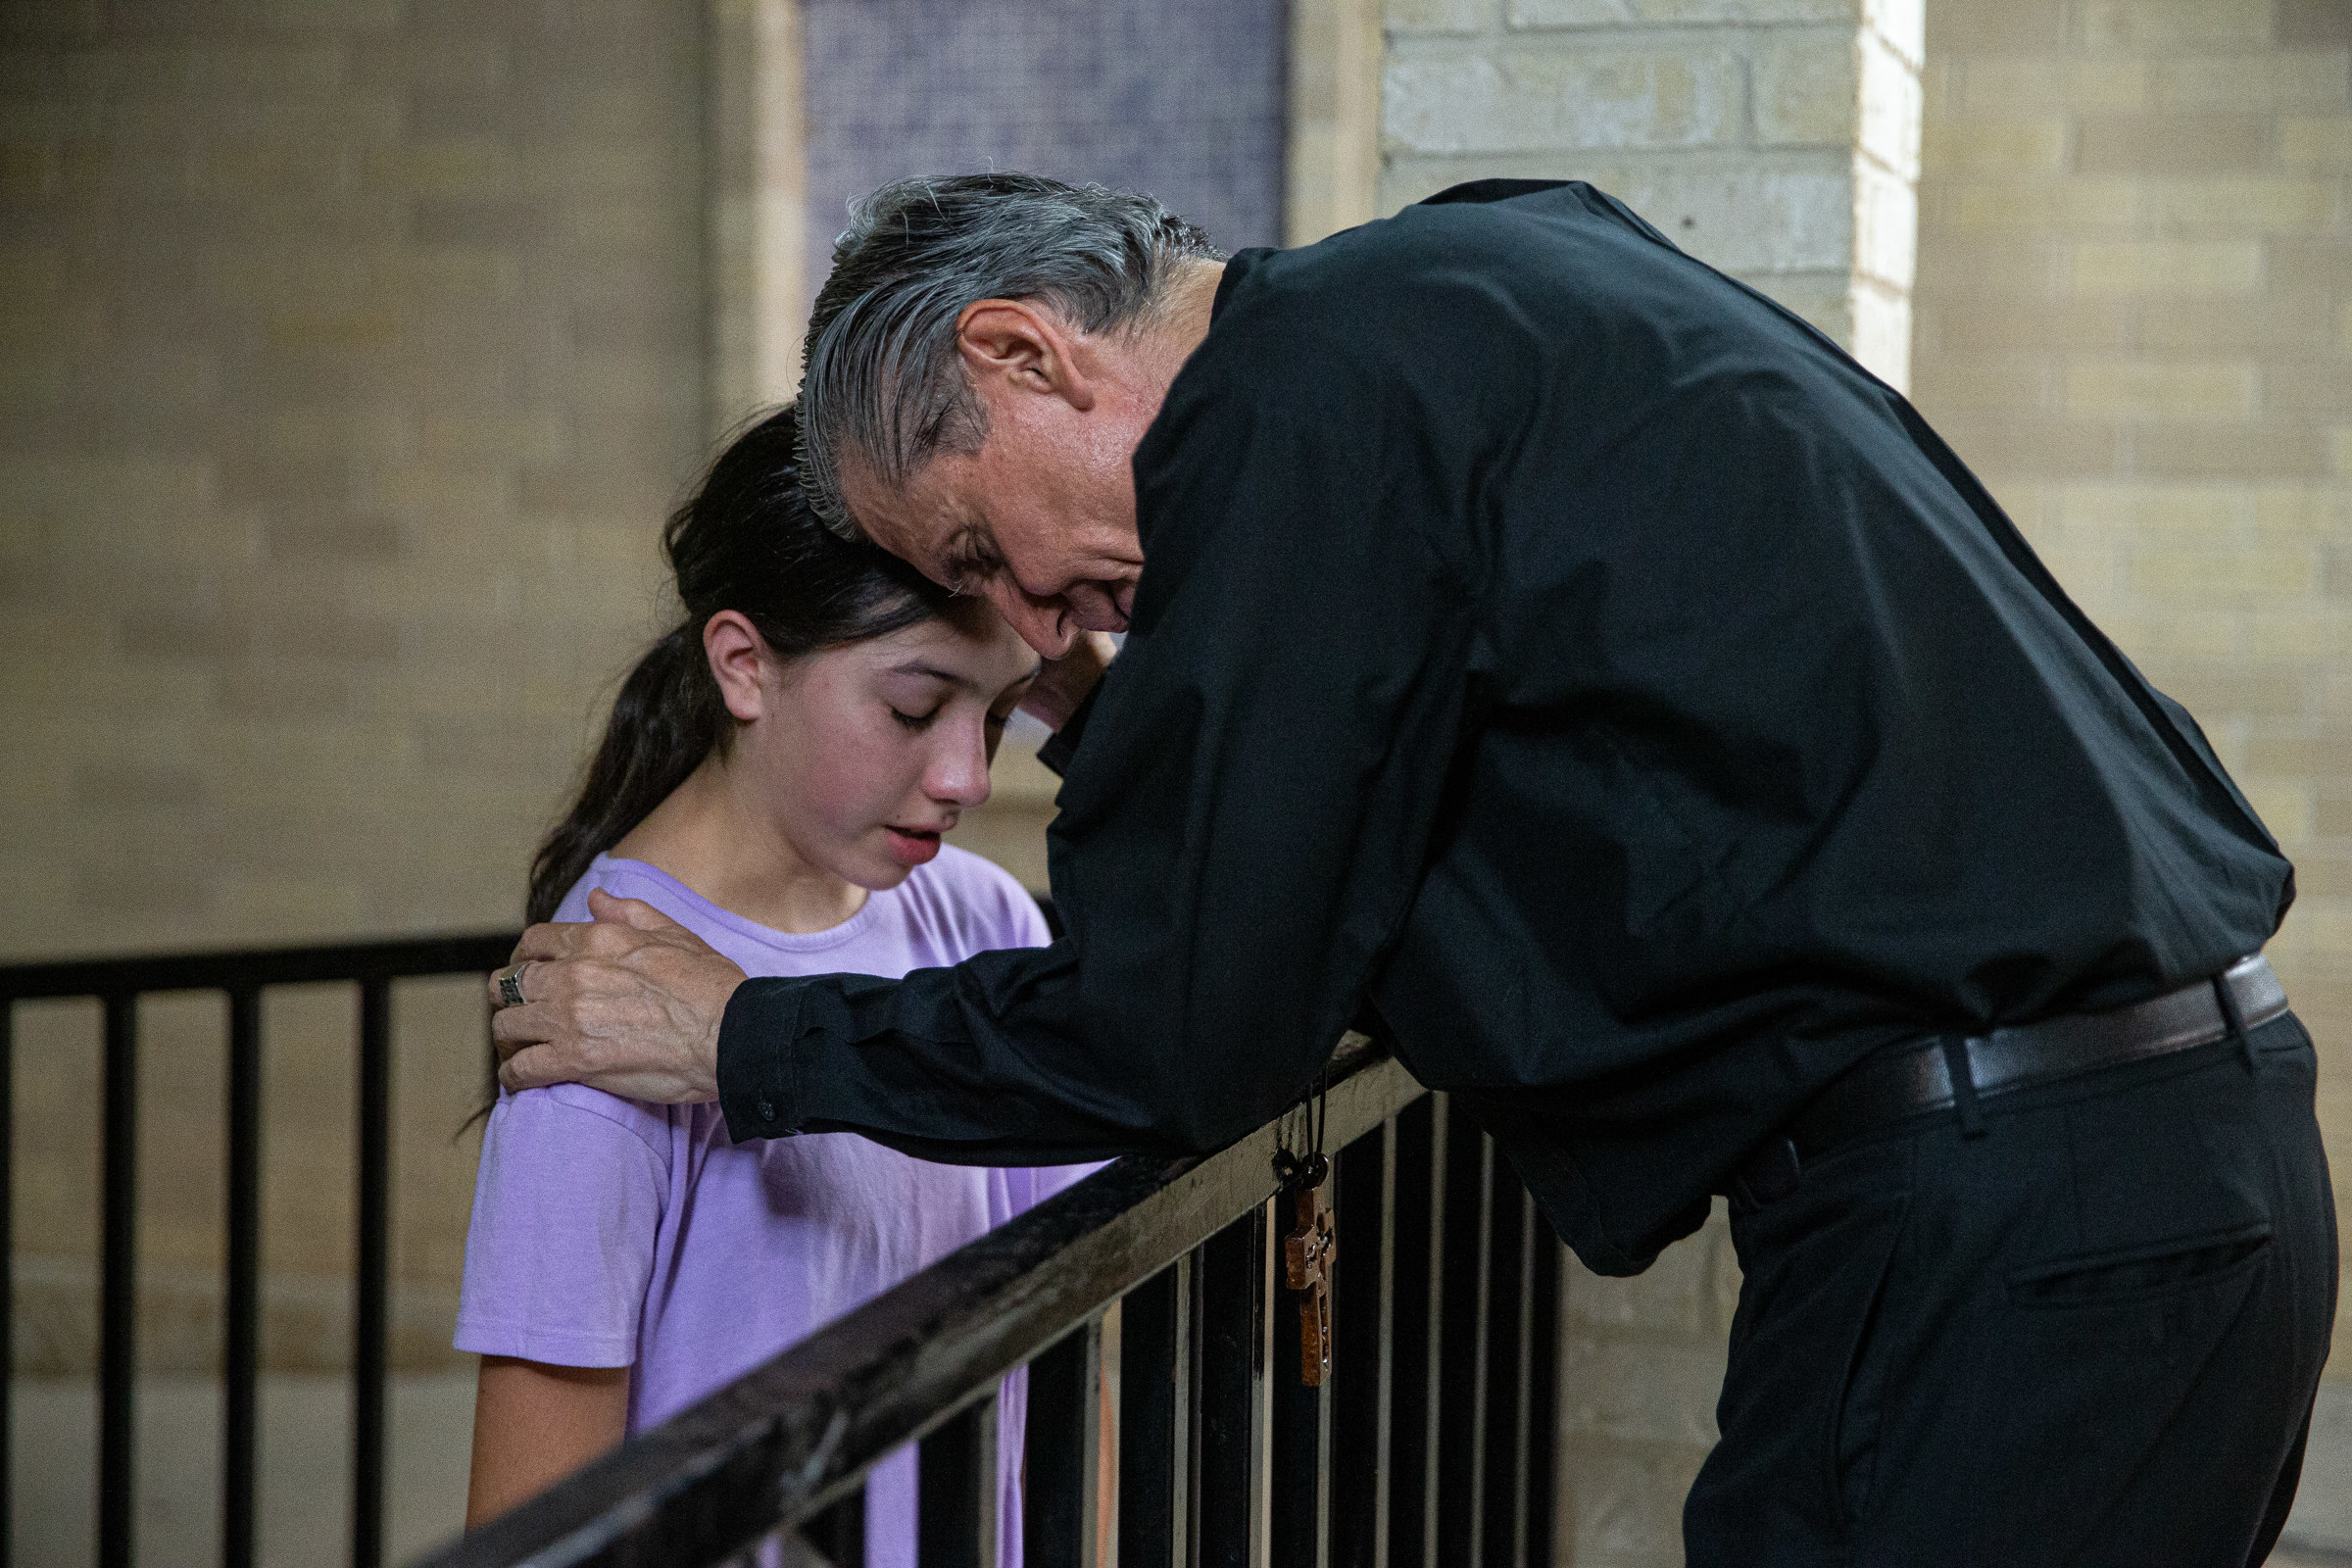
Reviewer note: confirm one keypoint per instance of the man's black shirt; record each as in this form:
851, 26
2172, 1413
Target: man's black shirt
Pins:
1572, 654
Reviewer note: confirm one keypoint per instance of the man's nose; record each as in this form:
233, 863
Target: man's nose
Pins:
1044, 624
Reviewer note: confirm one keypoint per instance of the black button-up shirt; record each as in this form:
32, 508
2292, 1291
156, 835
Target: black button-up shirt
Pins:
1569, 652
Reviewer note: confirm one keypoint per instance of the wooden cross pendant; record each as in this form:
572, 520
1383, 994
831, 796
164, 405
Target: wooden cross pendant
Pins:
1308, 1250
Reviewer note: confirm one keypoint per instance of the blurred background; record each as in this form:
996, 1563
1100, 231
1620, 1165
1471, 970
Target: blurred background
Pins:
352, 352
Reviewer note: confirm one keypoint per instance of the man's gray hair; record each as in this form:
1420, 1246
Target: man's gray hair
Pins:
884, 383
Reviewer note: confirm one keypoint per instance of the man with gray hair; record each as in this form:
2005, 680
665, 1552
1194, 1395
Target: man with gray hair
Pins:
1561, 657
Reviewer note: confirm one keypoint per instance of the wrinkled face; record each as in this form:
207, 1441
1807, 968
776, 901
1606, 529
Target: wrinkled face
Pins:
871, 750
1039, 524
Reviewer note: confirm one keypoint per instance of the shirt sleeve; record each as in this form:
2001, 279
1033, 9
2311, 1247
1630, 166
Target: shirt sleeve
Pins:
1240, 834
566, 1207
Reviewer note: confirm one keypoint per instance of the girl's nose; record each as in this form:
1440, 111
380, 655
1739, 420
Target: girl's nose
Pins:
959, 772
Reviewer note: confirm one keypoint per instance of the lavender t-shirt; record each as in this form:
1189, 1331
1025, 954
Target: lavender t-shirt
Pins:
607, 1232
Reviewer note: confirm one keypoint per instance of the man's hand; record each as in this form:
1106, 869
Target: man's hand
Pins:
1064, 682
629, 1002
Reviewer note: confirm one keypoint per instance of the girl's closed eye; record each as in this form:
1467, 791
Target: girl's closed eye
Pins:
917, 723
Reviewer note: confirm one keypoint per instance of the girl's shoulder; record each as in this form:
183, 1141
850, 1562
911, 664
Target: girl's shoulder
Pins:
971, 904
628, 879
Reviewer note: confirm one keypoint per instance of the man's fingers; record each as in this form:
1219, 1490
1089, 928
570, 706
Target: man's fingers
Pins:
534, 1023
532, 1067
552, 940
635, 912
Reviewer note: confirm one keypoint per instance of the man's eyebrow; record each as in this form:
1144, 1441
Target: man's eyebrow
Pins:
971, 547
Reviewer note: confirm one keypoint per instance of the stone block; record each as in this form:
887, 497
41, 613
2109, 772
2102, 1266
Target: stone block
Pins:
2169, 145
2173, 268
1571, 13
2152, 26
1640, 1391
1888, 116
2316, 141
1806, 89
1686, 12
2194, 574
1754, 216
1995, 28
2177, 513
1882, 333
1902, 25
2161, 389
1623, 1502
2242, 84
451, 167
1996, 88
1886, 229
2212, 450
1559, 100
2256, 203
2049, 206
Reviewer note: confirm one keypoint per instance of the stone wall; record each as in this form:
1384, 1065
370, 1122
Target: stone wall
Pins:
2135, 323
1777, 139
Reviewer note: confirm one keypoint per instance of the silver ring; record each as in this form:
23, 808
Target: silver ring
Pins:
510, 984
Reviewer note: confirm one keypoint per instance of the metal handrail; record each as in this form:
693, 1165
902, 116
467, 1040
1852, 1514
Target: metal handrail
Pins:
780, 1444
116, 985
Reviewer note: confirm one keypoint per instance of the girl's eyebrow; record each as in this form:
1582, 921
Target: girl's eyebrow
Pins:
916, 666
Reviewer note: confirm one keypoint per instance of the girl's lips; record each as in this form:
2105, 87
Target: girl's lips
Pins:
912, 845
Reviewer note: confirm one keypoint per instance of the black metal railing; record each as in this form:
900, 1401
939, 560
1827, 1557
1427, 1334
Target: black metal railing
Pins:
116, 985
1430, 1443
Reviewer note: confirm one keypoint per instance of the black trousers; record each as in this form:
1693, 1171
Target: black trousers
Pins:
2089, 1335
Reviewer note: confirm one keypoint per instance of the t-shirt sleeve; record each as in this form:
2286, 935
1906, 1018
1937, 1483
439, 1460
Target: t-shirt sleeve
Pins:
566, 1207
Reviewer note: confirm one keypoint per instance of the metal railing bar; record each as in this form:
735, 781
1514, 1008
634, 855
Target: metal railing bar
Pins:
1294, 1485
119, 1300
838, 1533
254, 968
1151, 1322
1461, 1334
1230, 1293
1359, 1426
8, 1277
784, 1439
955, 1491
241, 1348
1063, 1443
372, 1273
1412, 1298
1505, 1430
1543, 1382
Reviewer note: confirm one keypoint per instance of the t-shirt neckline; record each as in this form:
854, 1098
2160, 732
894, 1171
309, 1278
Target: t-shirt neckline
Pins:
848, 931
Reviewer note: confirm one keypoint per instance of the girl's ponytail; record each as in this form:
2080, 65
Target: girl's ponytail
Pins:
665, 721
747, 542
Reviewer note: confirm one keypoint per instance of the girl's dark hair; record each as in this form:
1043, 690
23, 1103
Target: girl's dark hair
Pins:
746, 541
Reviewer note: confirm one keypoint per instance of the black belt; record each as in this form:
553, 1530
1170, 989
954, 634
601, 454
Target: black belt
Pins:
1916, 1079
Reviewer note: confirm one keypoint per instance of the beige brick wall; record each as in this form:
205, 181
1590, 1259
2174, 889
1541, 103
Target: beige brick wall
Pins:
350, 354
2135, 268
1777, 139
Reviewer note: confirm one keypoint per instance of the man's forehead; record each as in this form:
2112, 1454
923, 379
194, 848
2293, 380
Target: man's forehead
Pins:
917, 522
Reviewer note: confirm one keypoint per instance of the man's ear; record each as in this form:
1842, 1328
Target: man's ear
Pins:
1023, 347
738, 656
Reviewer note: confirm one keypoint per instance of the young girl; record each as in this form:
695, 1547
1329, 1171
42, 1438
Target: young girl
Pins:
776, 776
